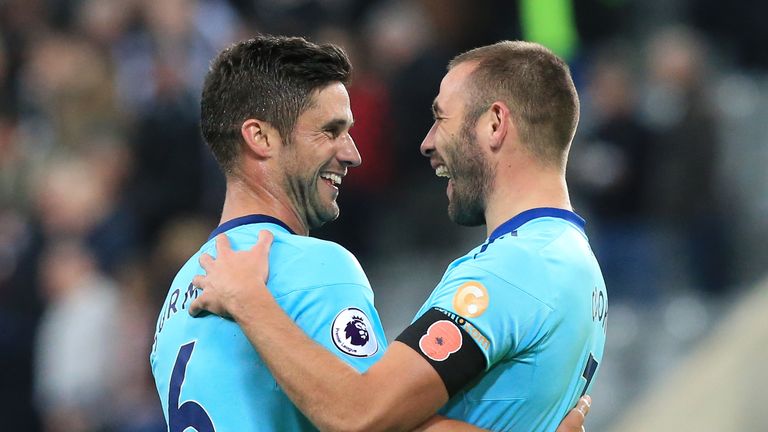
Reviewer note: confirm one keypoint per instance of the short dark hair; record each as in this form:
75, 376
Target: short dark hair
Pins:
270, 78
537, 87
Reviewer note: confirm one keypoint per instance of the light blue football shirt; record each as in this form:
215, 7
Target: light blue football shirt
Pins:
208, 375
533, 299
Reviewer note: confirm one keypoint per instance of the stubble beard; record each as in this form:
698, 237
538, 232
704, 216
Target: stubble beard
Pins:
472, 175
304, 194
318, 212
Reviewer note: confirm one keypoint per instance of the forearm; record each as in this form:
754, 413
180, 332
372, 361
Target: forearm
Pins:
307, 387
331, 393
397, 392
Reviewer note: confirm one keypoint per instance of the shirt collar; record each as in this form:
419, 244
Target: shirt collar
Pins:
516, 222
246, 220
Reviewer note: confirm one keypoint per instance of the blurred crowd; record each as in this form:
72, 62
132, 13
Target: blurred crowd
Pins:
106, 186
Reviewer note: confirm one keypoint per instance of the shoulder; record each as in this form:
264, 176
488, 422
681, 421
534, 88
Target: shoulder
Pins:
536, 263
245, 237
320, 256
482, 277
298, 262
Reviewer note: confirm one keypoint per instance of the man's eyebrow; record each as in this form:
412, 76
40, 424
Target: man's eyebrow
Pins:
337, 124
436, 108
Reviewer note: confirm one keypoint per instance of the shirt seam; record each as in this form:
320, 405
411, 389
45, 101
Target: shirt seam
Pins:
314, 287
538, 300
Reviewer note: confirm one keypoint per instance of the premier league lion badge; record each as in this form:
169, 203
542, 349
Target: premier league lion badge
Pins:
352, 333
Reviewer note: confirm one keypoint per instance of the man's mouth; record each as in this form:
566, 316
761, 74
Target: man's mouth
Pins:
442, 171
332, 178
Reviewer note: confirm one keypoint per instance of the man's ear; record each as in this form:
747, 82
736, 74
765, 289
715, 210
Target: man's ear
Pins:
499, 124
260, 138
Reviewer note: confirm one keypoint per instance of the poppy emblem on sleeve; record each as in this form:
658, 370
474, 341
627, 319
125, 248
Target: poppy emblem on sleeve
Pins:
443, 338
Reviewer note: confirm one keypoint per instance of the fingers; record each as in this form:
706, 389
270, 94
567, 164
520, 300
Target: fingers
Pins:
200, 281
261, 251
584, 404
222, 244
574, 421
206, 261
265, 240
210, 301
197, 306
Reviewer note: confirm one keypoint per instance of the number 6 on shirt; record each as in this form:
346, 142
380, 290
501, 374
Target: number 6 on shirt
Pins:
189, 414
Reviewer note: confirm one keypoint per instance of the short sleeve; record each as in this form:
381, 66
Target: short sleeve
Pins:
322, 287
342, 318
473, 315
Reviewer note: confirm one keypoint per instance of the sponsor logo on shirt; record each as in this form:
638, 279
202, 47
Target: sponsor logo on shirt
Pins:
352, 333
443, 338
471, 299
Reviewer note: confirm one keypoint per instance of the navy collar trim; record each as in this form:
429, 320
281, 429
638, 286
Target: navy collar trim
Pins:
246, 220
516, 222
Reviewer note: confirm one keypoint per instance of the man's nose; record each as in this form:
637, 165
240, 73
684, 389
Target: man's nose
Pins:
348, 154
428, 144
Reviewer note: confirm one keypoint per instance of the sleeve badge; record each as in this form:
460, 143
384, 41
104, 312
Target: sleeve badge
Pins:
352, 333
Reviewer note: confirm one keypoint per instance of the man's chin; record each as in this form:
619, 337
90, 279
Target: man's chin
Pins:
324, 217
465, 217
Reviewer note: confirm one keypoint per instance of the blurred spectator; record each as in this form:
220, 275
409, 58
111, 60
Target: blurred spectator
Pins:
20, 308
75, 347
67, 91
136, 405
21, 21
611, 174
105, 22
174, 173
395, 33
13, 190
174, 41
20, 305
75, 197
80, 196
685, 184
7, 91
169, 155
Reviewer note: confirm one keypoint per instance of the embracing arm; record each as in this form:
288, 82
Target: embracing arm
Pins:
399, 392
573, 422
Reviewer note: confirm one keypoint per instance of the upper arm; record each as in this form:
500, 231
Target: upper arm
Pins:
341, 318
472, 320
396, 386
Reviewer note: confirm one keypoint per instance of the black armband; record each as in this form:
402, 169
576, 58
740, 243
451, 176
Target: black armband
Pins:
441, 338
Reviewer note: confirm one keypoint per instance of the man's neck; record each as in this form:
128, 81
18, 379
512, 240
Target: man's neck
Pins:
243, 199
510, 198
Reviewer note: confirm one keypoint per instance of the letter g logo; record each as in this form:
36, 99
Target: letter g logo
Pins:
471, 300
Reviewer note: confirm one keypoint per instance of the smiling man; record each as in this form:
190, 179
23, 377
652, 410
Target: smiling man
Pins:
276, 115
514, 332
